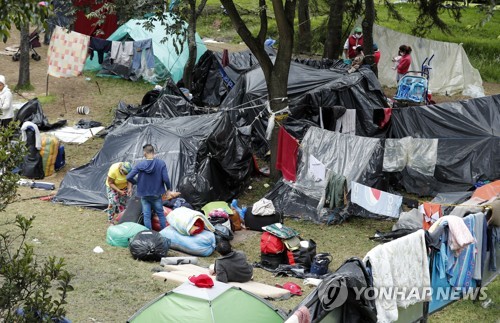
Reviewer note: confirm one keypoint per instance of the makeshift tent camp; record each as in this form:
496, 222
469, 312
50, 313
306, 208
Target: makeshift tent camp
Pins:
221, 303
207, 159
451, 70
167, 61
213, 78
468, 148
89, 27
309, 91
357, 158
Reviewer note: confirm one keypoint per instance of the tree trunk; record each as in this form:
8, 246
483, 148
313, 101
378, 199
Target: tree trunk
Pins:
188, 69
276, 74
304, 45
334, 42
279, 101
24, 59
368, 34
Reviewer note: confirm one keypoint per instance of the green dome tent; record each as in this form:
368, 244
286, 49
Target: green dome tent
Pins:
167, 61
221, 303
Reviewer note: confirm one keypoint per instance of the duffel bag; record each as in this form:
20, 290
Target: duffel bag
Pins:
271, 244
272, 261
304, 255
256, 222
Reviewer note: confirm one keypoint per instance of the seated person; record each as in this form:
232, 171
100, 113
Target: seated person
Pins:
357, 61
232, 266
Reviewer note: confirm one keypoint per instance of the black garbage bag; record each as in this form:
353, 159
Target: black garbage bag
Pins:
149, 246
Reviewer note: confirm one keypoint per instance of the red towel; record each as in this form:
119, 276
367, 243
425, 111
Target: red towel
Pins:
387, 117
286, 159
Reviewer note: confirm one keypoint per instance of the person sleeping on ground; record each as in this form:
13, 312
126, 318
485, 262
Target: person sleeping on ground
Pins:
232, 266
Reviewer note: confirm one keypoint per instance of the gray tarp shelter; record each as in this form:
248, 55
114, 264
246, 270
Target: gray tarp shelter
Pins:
309, 89
468, 134
357, 158
207, 159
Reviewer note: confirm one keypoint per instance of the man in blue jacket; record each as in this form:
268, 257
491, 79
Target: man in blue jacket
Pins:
152, 177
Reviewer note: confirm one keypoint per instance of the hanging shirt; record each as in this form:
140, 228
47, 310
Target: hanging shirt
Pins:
122, 52
286, 159
101, 46
67, 53
140, 47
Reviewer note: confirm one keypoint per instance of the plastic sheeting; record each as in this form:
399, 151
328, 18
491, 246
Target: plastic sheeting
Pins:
468, 148
308, 90
213, 81
415, 153
207, 159
166, 106
357, 158
451, 70
32, 111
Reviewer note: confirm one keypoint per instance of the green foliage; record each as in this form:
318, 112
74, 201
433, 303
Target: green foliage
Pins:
18, 13
39, 289
11, 156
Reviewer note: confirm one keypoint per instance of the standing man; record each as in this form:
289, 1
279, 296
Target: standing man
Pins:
151, 181
352, 42
6, 110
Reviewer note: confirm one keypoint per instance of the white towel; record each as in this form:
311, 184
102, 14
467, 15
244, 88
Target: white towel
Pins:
38, 137
403, 265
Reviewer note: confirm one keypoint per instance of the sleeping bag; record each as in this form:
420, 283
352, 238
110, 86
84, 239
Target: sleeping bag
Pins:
202, 244
49, 151
149, 246
188, 222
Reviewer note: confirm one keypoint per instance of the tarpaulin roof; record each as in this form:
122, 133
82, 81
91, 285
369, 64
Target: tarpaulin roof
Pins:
212, 81
166, 106
468, 149
207, 159
357, 158
309, 89
451, 70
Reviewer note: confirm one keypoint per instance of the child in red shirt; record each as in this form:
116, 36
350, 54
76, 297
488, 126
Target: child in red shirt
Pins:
404, 62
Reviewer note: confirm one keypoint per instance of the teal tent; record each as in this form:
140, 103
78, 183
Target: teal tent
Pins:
167, 61
221, 303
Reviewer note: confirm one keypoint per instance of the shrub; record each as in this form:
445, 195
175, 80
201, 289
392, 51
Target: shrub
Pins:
36, 289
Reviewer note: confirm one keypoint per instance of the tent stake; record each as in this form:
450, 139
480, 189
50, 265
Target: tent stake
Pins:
98, 87
47, 86
64, 103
